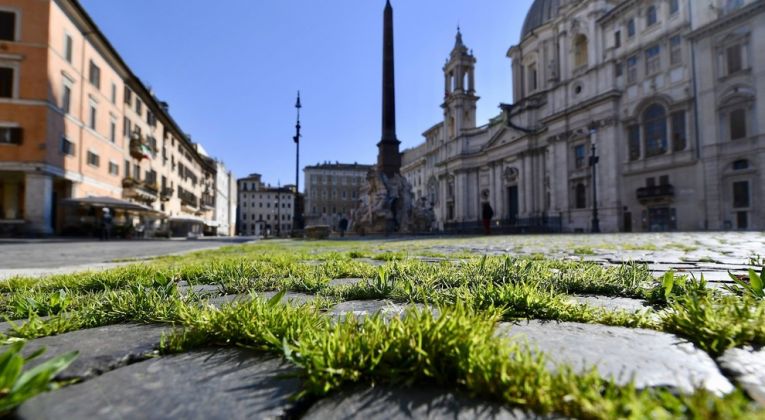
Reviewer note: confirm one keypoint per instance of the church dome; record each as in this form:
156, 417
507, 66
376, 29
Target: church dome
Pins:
541, 12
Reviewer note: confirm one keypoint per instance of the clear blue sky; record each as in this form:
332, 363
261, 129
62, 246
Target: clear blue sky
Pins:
230, 70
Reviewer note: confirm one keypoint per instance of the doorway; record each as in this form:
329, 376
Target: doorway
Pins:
661, 219
627, 221
512, 204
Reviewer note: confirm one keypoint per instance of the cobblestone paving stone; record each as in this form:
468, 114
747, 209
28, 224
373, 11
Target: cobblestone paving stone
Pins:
383, 403
226, 299
711, 253
612, 303
214, 384
289, 297
370, 261
345, 282
6, 327
204, 290
363, 308
101, 349
652, 358
747, 367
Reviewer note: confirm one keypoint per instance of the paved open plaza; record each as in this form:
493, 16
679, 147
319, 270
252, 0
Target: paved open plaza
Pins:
578, 232
283, 328
57, 256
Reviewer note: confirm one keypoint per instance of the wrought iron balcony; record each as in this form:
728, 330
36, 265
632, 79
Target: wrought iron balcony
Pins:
139, 191
188, 198
140, 148
656, 193
208, 201
166, 194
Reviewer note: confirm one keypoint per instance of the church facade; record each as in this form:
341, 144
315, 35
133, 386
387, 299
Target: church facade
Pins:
664, 97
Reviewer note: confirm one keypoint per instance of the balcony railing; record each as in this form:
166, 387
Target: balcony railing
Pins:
656, 193
188, 198
141, 148
166, 193
140, 191
151, 186
208, 201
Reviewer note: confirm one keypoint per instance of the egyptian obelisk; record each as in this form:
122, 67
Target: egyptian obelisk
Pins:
386, 202
388, 156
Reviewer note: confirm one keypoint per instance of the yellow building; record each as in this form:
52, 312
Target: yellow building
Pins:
79, 132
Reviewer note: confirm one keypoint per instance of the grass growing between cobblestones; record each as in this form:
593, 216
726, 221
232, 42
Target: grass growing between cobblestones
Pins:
522, 287
457, 349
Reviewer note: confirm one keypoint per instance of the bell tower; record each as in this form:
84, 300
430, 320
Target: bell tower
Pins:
459, 89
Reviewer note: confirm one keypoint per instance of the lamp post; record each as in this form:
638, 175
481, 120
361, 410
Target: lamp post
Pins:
297, 222
593, 164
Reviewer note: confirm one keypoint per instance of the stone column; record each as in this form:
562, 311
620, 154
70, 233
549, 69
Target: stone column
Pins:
528, 185
442, 198
38, 202
554, 206
522, 190
474, 210
493, 190
460, 196
540, 181
499, 191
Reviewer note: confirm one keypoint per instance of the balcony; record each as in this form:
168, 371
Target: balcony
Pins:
188, 199
140, 148
208, 202
656, 194
144, 192
166, 194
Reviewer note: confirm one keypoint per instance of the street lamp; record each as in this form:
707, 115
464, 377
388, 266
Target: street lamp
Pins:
297, 218
593, 163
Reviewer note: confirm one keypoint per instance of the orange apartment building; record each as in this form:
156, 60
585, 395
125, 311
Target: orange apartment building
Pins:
79, 132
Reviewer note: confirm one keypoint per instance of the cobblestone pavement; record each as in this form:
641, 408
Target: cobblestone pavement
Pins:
124, 378
58, 256
713, 254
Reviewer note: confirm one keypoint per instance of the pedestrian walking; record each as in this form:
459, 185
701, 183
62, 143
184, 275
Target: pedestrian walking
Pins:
487, 213
342, 226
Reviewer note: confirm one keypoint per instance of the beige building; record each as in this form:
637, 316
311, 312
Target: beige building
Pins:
79, 132
332, 191
667, 93
264, 210
225, 201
